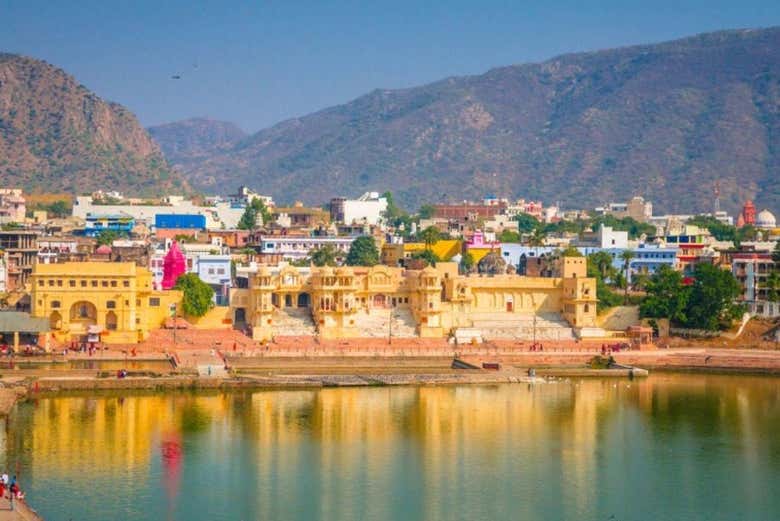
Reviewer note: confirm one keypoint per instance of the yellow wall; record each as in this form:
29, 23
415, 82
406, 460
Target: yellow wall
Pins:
115, 296
438, 297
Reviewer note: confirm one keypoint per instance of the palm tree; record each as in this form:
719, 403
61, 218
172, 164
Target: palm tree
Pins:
626, 256
429, 236
537, 238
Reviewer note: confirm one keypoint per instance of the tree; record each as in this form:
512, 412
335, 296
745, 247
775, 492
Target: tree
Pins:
509, 236
58, 208
107, 237
255, 208
776, 253
526, 223
363, 252
571, 251
711, 304
393, 214
198, 295
773, 286
601, 262
466, 262
327, 255
428, 256
537, 237
626, 256
429, 236
667, 296
426, 211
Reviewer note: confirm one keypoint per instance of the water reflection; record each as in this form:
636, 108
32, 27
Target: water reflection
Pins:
559, 451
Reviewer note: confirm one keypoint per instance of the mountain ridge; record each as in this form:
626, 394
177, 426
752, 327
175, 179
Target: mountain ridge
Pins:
57, 135
661, 118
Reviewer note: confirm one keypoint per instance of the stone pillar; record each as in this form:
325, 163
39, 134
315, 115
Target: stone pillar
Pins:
16, 341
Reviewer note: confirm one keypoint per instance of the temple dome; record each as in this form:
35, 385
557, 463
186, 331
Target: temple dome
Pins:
765, 219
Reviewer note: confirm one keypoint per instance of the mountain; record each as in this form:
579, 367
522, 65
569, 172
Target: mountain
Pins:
665, 121
187, 142
56, 135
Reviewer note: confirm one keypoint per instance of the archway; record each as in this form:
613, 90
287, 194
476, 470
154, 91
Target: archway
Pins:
303, 300
55, 320
111, 321
288, 302
83, 312
380, 301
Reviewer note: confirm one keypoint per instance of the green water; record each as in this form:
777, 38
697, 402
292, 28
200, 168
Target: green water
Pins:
674, 447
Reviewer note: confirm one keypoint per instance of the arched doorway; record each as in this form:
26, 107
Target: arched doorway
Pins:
82, 315
111, 321
55, 320
303, 300
380, 301
288, 301
83, 312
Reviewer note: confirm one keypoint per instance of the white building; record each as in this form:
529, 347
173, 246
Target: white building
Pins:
609, 238
298, 248
369, 208
221, 215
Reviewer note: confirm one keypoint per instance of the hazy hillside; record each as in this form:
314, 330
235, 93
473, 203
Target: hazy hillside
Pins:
186, 142
662, 120
55, 135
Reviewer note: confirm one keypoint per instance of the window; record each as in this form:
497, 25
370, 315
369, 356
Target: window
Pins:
104, 283
55, 304
221, 271
83, 283
113, 283
111, 304
126, 283
59, 283
40, 283
72, 283
94, 283
51, 282
154, 302
211, 271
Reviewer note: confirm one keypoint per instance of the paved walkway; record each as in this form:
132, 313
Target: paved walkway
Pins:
21, 512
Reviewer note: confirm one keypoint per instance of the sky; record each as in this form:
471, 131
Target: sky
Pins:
258, 63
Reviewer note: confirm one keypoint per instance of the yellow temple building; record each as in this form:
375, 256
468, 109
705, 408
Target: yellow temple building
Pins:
347, 302
112, 301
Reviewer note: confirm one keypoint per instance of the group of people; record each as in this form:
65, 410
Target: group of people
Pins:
14, 492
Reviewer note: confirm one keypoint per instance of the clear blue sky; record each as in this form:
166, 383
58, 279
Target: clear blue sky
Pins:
262, 62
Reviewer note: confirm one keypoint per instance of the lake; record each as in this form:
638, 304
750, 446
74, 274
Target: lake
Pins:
671, 446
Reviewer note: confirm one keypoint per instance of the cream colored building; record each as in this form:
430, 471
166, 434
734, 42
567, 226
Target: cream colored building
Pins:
348, 302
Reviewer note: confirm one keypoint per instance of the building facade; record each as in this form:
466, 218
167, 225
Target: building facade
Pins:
99, 301
436, 300
752, 270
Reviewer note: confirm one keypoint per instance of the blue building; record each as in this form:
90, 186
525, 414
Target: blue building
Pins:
180, 221
648, 259
120, 223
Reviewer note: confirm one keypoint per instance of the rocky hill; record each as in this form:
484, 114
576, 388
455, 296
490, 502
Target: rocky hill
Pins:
664, 120
56, 135
187, 142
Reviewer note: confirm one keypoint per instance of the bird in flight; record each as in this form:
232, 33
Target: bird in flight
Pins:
175, 77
